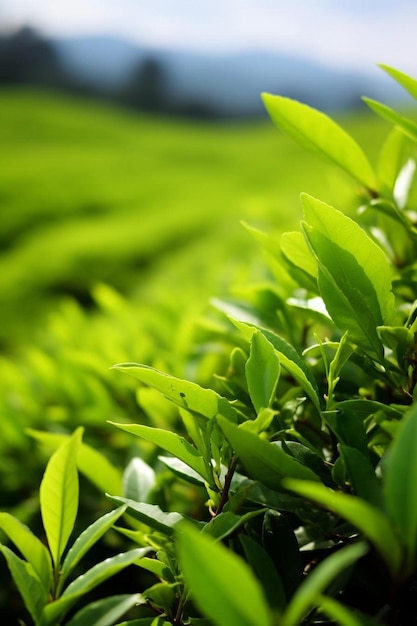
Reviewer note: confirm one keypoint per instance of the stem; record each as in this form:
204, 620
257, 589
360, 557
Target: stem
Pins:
178, 615
227, 482
56, 591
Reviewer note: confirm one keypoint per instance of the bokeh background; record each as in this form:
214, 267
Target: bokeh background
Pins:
135, 131
134, 144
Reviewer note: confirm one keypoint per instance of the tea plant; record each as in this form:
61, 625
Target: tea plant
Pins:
306, 445
42, 573
299, 462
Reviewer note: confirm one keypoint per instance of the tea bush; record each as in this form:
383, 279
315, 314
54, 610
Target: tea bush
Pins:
286, 496
92, 273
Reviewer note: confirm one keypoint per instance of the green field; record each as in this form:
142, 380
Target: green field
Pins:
152, 206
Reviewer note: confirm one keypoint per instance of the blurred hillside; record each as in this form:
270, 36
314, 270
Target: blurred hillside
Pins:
179, 82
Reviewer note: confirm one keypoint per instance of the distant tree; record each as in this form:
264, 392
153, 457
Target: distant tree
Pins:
146, 87
27, 58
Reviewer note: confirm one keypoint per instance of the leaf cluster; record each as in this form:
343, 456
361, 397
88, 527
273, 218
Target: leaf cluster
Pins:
302, 451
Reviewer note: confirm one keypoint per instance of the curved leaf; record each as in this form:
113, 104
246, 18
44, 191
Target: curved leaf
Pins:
280, 543
171, 442
90, 462
87, 539
150, 514
264, 461
409, 84
391, 159
263, 568
101, 572
208, 569
338, 613
301, 262
30, 588
105, 612
182, 470
362, 476
59, 495
227, 523
262, 371
307, 597
316, 132
30, 547
375, 526
408, 127
138, 480
400, 474
354, 274
184, 394
289, 358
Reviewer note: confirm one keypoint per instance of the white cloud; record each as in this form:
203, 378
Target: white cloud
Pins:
354, 33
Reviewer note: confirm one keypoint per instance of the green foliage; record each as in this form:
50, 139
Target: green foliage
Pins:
285, 492
41, 576
317, 402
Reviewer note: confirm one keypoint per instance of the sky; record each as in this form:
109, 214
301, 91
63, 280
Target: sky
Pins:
355, 34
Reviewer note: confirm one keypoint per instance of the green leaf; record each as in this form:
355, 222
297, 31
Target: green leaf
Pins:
79, 587
227, 523
90, 462
171, 442
354, 275
30, 547
313, 309
281, 545
400, 480
263, 568
391, 158
404, 183
98, 469
408, 127
263, 461
105, 612
265, 240
365, 408
209, 568
261, 422
182, 470
309, 458
300, 261
375, 526
86, 540
338, 613
262, 371
307, 596
30, 587
59, 495
401, 341
409, 84
348, 428
161, 595
150, 514
246, 312
289, 358
316, 132
138, 480
156, 567
184, 394
362, 476
343, 353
